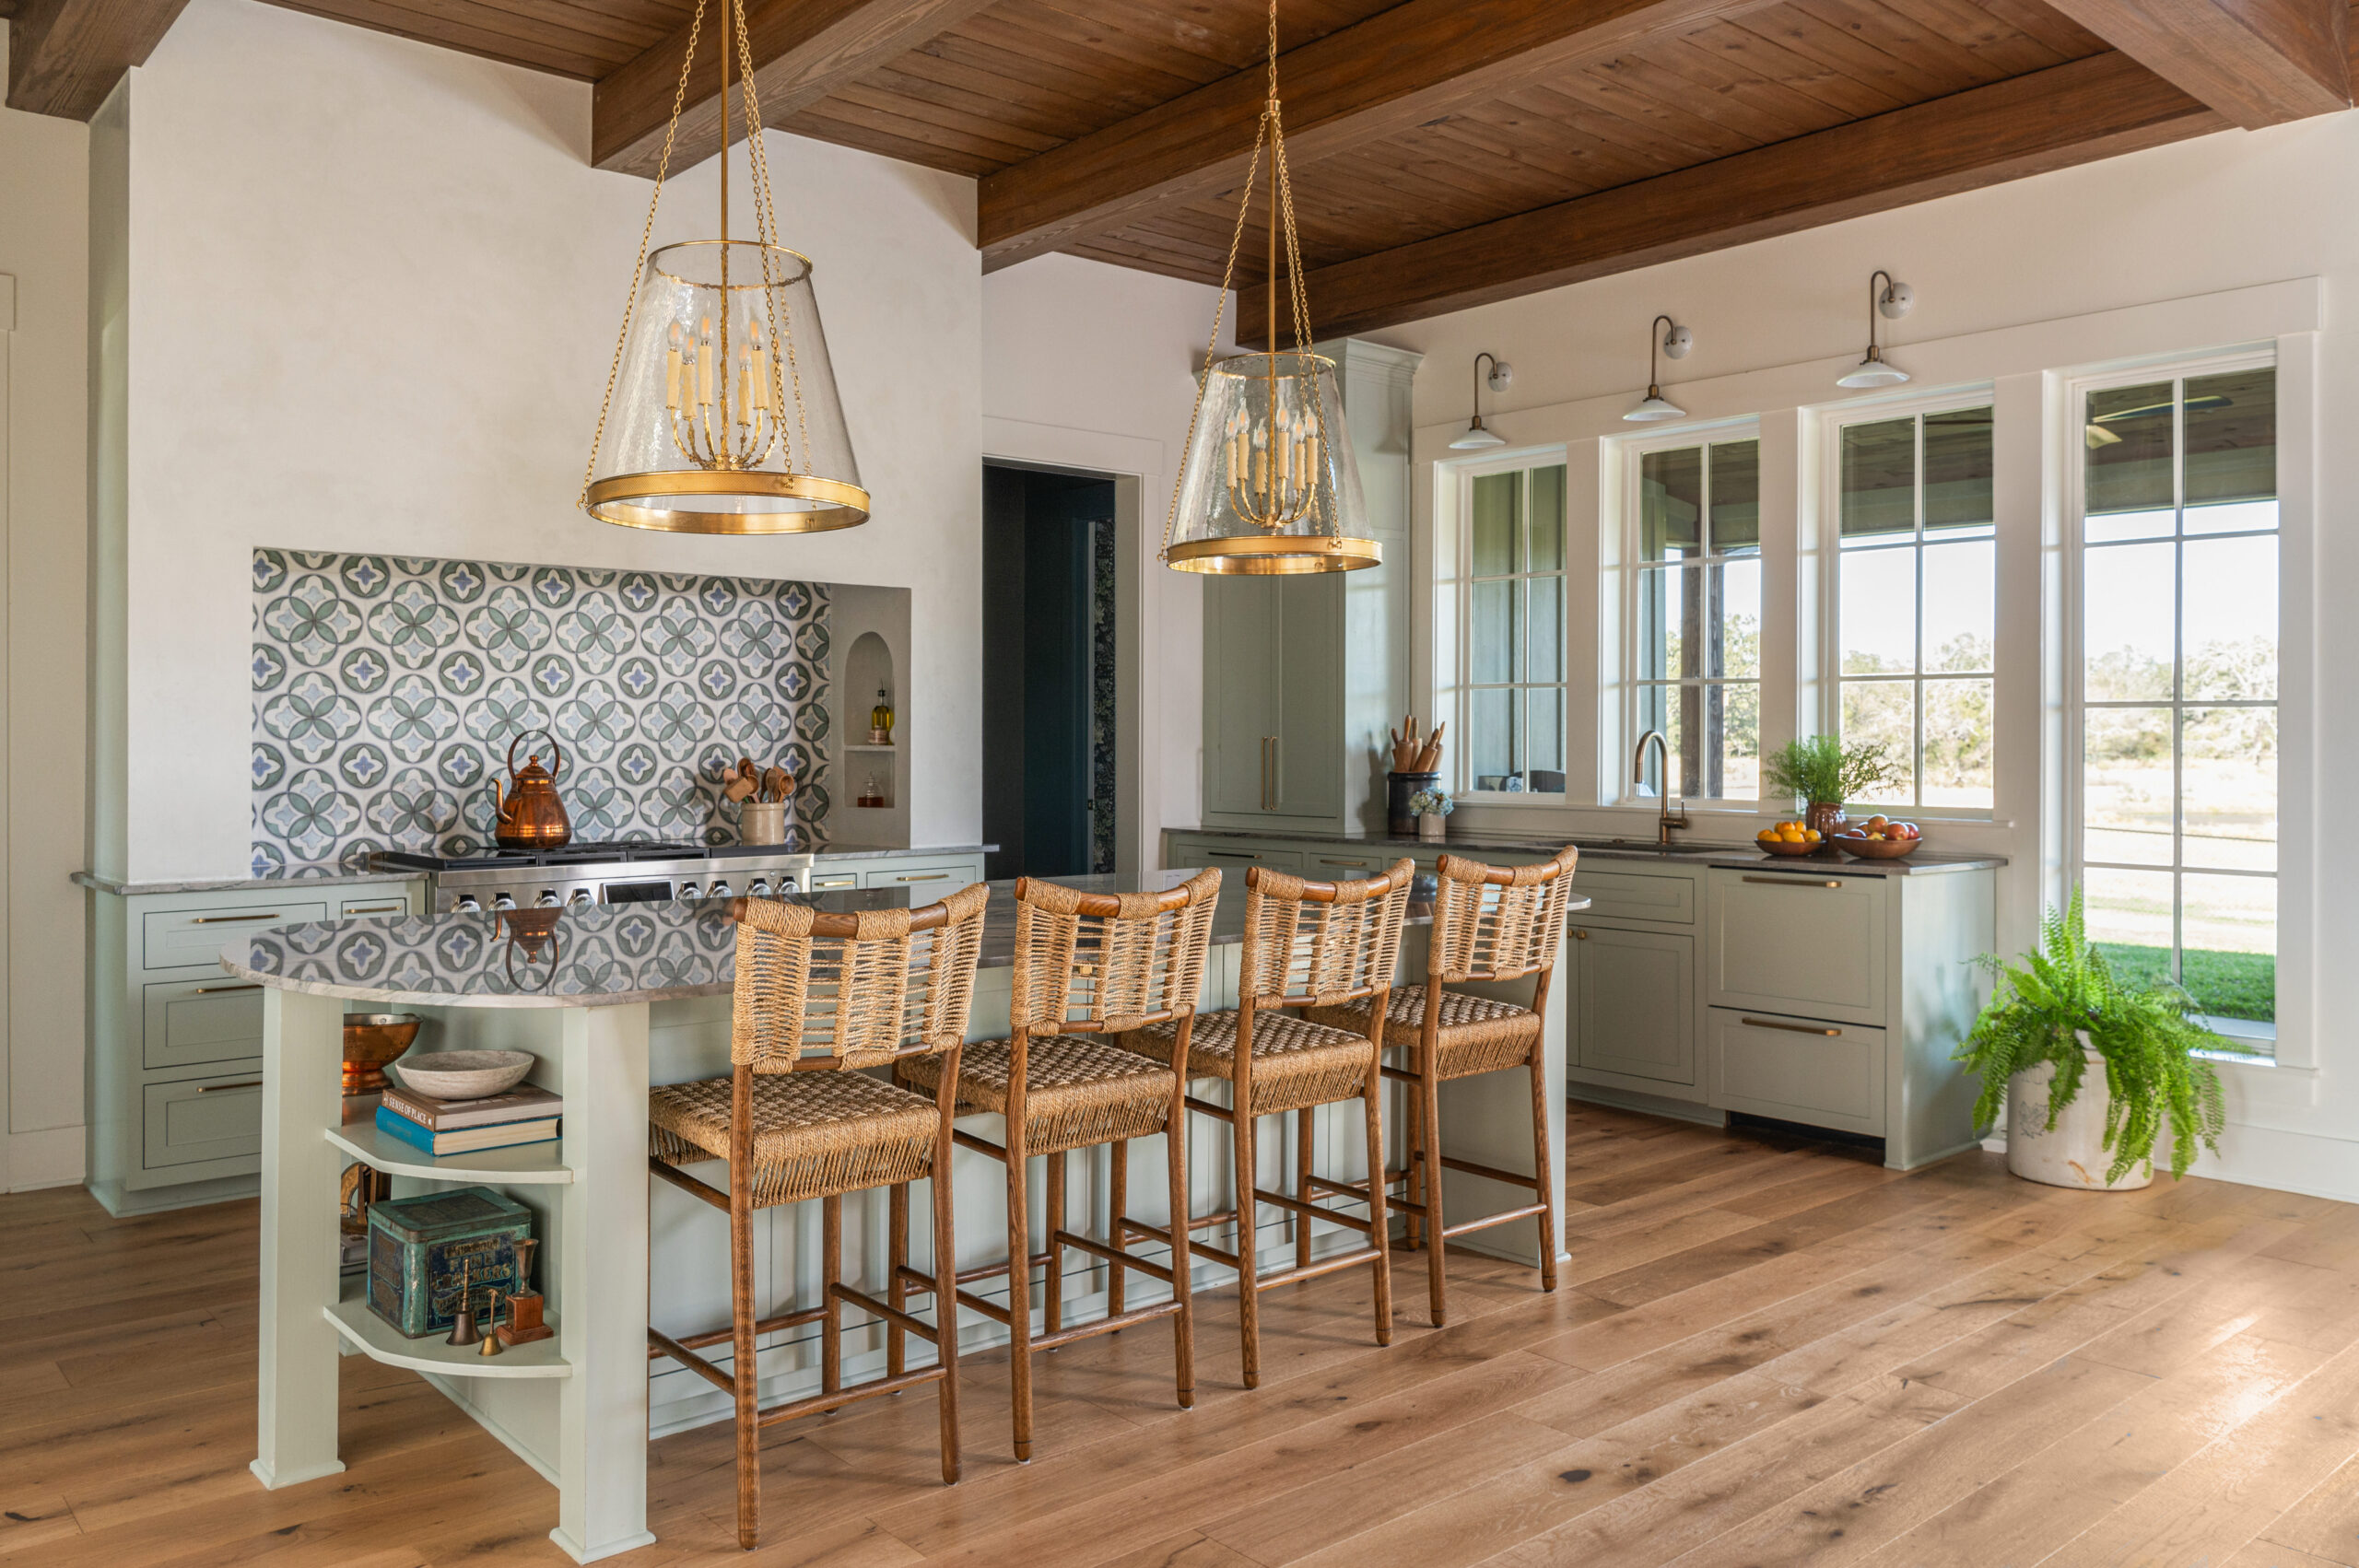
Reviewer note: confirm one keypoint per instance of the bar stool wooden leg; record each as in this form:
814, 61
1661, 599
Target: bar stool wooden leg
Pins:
1413, 1167
1183, 1322
896, 1290
1248, 1266
1052, 1282
1305, 1142
1118, 1189
1543, 1178
1429, 1120
743, 1374
831, 1271
945, 1298
1019, 1293
1380, 1223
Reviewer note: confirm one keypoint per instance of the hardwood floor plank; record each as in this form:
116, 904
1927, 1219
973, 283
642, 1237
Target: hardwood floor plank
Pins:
29, 1519
2325, 1524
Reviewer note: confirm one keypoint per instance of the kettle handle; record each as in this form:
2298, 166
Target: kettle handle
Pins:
557, 753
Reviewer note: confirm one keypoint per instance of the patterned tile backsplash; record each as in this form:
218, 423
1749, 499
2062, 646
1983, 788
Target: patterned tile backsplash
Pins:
387, 689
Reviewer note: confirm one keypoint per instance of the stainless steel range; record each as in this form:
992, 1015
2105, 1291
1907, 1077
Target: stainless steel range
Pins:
600, 874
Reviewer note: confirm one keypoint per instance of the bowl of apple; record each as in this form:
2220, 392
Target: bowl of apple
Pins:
1878, 838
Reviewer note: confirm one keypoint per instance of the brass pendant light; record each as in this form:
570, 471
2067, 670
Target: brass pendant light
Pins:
720, 414
1270, 483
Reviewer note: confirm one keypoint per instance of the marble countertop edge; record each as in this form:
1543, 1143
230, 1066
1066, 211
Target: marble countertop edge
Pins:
332, 876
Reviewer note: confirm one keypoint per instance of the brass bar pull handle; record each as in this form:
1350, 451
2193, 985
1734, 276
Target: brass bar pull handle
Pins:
377, 909
924, 876
1791, 881
1789, 1029
216, 991
220, 1088
232, 919
1361, 865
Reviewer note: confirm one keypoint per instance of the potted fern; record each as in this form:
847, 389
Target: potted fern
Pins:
2062, 1011
1823, 773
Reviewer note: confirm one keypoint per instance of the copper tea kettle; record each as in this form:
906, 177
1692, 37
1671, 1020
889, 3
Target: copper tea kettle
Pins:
531, 816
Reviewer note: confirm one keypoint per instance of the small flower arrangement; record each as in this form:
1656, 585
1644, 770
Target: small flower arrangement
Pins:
1431, 802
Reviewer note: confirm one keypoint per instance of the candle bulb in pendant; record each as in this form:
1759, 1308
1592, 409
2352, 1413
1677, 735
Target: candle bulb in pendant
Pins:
704, 361
672, 370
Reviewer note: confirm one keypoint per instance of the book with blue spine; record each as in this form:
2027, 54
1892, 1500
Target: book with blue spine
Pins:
466, 1139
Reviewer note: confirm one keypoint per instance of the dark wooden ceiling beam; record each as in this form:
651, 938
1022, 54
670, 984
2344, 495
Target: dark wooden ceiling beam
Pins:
1399, 69
802, 51
2068, 114
65, 56
2258, 62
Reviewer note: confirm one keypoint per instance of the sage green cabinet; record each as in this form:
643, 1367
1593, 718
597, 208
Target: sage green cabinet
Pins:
1633, 1010
1821, 1073
1798, 943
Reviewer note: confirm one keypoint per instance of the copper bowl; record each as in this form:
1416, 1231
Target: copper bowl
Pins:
1877, 848
370, 1040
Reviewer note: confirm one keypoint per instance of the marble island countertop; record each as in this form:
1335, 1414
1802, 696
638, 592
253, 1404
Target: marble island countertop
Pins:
327, 874
602, 955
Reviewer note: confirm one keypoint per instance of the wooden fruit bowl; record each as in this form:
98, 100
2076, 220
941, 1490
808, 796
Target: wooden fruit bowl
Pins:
1876, 849
1780, 847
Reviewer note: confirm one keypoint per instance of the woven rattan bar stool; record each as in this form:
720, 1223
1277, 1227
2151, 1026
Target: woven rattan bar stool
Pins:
1490, 923
819, 997
1088, 966
1307, 944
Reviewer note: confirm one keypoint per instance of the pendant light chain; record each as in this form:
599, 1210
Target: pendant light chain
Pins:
638, 266
1220, 313
766, 224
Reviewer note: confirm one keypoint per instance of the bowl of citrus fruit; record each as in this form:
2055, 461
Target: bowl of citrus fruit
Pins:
1878, 838
1790, 838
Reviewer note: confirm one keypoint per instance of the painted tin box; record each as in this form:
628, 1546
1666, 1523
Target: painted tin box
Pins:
420, 1249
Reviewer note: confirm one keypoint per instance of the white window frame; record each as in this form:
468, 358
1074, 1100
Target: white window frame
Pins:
2289, 1037
1455, 600
1827, 635
1619, 687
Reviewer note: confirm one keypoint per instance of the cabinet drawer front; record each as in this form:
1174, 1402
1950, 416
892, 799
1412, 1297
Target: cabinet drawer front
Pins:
1621, 896
1634, 1004
1824, 1074
204, 1119
182, 939
188, 1021
1804, 943
361, 906
925, 883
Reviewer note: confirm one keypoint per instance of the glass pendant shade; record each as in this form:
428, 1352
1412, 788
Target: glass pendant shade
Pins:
725, 418
1270, 483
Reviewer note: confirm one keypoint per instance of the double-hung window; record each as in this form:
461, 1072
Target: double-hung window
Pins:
1694, 615
1514, 616
2175, 683
1916, 603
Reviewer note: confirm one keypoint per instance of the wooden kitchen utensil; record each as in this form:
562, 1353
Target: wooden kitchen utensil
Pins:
777, 784
1430, 757
737, 786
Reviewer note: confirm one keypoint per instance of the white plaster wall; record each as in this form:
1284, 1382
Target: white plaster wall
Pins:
44, 238
2041, 275
374, 289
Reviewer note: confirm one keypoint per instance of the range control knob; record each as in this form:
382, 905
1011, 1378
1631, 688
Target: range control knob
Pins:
547, 900
581, 896
720, 888
467, 904
502, 901
760, 887
690, 890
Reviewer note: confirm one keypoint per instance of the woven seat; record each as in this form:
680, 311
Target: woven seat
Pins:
1479, 1033
1296, 1061
1077, 1092
814, 1133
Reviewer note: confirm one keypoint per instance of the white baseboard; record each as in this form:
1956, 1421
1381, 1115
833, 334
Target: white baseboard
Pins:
52, 1157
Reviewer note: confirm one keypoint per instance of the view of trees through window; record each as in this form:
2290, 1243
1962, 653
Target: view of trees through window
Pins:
1515, 631
1916, 603
2178, 684
1698, 615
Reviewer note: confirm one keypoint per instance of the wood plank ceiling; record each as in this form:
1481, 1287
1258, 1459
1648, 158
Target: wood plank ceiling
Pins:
1445, 152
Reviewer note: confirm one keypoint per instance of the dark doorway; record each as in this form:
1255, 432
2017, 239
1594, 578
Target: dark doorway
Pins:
1048, 672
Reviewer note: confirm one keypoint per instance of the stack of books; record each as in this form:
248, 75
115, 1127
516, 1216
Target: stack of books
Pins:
522, 1115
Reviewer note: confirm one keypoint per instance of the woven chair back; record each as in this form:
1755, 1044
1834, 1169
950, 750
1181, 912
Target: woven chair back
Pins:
1497, 922
821, 992
1107, 962
1321, 943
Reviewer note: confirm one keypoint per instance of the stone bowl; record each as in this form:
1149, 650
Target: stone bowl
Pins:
465, 1075
370, 1040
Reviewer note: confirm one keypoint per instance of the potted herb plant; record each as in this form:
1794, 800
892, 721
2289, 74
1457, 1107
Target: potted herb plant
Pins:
2062, 1011
1824, 773
1432, 809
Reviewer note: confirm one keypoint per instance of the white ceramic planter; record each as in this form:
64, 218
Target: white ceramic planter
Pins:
2073, 1154
1433, 829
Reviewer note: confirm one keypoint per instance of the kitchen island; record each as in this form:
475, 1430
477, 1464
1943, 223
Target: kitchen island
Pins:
612, 998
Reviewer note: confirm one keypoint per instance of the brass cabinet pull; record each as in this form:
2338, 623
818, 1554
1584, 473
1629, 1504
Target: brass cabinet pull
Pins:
1579, 935
924, 876
215, 990
1231, 855
1792, 882
218, 1088
818, 882
1361, 864
376, 908
1789, 1029
231, 920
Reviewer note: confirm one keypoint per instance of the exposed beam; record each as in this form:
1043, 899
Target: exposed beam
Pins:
2065, 115
2258, 62
65, 56
1390, 73
802, 51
